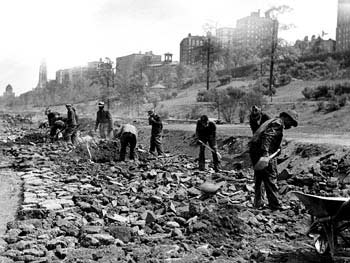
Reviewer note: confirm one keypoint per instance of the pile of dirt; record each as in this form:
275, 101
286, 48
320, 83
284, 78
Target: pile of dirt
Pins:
30, 138
101, 151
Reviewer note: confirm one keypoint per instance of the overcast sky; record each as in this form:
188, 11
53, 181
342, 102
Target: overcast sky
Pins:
70, 33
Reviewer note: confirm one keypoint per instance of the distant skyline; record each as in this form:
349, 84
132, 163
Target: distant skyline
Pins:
68, 33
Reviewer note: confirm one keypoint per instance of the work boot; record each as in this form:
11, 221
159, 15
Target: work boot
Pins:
201, 167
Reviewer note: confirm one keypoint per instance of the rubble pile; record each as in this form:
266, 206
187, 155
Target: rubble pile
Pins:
150, 210
142, 211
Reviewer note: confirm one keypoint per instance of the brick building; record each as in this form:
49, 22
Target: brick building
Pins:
70, 75
191, 49
343, 26
128, 64
255, 31
225, 35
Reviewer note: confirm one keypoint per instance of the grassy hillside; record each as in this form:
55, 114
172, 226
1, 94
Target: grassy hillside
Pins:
287, 97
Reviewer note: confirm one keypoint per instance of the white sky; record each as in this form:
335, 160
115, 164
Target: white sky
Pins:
72, 32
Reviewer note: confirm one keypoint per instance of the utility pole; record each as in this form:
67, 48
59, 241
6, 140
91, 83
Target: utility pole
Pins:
273, 49
208, 62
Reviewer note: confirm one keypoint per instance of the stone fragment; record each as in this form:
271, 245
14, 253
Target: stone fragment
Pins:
172, 224
120, 232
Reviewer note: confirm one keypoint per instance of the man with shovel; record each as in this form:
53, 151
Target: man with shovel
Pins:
206, 134
263, 147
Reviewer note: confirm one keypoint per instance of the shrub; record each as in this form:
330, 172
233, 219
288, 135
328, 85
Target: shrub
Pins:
320, 106
342, 100
307, 92
332, 106
342, 88
322, 91
242, 113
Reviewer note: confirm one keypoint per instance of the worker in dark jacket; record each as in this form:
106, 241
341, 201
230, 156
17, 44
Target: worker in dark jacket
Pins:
256, 118
206, 134
265, 142
128, 136
51, 116
56, 123
71, 131
156, 133
104, 121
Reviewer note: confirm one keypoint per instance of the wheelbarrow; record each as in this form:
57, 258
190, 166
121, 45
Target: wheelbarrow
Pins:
330, 219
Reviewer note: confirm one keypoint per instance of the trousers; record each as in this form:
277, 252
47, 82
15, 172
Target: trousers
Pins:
156, 144
126, 139
268, 176
105, 130
201, 160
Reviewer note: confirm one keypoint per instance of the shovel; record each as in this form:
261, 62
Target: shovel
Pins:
210, 149
211, 188
264, 161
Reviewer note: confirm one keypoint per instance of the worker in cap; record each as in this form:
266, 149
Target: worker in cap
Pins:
264, 146
103, 121
156, 133
71, 131
256, 118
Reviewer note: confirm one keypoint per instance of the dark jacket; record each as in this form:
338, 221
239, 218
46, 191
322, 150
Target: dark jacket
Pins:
208, 132
157, 125
103, 116
267, 139
72, 118
52, 117
256, 123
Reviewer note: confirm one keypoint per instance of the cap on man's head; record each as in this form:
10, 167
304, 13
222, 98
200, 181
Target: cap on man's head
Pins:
150, 112
204, 118
101, 104
68, 105
256, 109
292, 114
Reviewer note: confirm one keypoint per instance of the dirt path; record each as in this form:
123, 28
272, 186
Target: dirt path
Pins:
297, 134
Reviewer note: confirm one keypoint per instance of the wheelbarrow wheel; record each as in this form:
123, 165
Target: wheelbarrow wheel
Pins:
321, 245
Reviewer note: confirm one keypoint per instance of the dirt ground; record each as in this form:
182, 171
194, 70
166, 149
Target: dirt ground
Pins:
280, 236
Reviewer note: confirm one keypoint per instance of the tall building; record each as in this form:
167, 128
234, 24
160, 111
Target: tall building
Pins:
255, 31
70, 75
9, 92
42, 75
190, 49
343, 26
128, 64
225, 35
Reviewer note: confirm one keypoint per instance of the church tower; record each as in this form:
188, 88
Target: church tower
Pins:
42, 75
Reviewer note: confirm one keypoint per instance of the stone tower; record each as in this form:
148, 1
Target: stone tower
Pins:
42, 75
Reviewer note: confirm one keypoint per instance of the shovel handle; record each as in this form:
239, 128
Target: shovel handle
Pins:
274, 154
208, 147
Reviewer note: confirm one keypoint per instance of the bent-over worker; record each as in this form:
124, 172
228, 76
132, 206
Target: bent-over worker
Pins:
206, 133
128, 136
